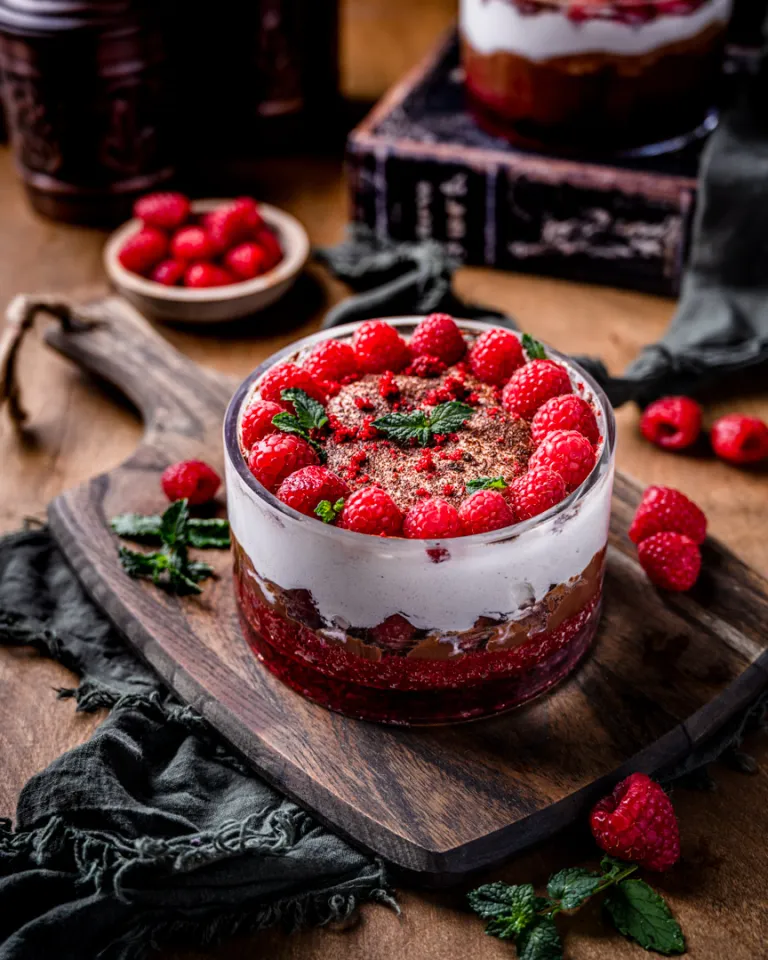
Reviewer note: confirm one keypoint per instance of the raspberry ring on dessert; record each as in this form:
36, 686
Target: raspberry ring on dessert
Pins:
419, 510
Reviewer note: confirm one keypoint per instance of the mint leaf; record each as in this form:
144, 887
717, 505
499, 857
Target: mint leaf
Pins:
328, 511
202, 534
173, 523
533, 348
540, 941
486, 483
641, 914
573, 886
404, 427
138, 564
612, 868
500, 900
449, 417
287, 423
136, 526
310, 413
208, 534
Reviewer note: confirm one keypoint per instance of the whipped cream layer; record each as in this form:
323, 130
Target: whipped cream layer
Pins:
498, 26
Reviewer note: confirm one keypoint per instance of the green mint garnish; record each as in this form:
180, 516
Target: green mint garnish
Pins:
328, 511
509, 908
201, 534
310, 415
486, 483
422, 425
540, 941
533, 348
639, 913
573, 887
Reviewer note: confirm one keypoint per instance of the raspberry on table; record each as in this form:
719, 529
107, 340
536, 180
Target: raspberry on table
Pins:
671, 561
495, 356
566, 453
535, 492
192, 480
191, 243
166, 210
169, 272
438, 336
739, 439
565, 412
246, 261
285, 376
332, 361
304, 489
532, 385
372, 511
672, 423
199, 275
379, 347
432, 519
484, 511
665, 509
257, 420
143, 250
277, 456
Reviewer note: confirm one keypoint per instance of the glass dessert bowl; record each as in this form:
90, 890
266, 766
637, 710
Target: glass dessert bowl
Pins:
476, 582
595, 76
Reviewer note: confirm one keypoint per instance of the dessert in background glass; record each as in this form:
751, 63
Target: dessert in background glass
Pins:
419, 631
593, 76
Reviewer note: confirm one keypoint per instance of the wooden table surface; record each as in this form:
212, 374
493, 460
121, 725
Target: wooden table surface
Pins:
719, 890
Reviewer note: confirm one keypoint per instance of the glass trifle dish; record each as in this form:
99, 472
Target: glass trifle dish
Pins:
593, 75
419, 510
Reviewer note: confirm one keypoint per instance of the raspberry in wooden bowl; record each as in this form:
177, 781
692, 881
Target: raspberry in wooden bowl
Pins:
419, 510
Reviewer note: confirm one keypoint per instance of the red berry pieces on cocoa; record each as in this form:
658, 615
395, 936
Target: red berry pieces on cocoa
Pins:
432, 519
143, 250
484, 511
566, 453
191, 243
169, 272
740, 439
246, 261
379, 347
532, 385
438, 336
285, 376
671, 561
372, 511
332, 361
565, 412
672, 423
535, 492
425, 366
257, 421
637, 823
277, 456
664, 509
192, 480
166, 211
495, 356
305, 488
199, 275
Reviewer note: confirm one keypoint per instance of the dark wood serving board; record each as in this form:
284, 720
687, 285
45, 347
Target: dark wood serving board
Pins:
666, 671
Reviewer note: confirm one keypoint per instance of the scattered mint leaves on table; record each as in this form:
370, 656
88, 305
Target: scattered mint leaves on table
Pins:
486, 483
310, 415
635, 909
533, 348
423, 425
143, 528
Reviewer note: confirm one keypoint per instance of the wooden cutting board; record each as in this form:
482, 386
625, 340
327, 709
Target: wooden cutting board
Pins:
666, 671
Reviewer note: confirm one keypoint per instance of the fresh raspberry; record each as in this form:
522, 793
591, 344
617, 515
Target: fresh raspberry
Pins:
233, 223
484, 511
663, 508
190, 479
143, 250
166, 211
191, 243
379, 347
277, 456
304, 489
332, 361
207, 275
565, 412
532, 385
495, 356
672, 423
438, 336
671, 560
169, 272
395, 633
371, 510
246, 261
637, 823
425, 366
257, 421
740, 439
432, 519
247, 210
535, 492
567, 453
288, 375
270, 244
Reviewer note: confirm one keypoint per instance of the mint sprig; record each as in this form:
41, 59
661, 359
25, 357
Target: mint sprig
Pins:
147, 528
424, 425
328, 511
486, 483
533, 348
637, 911
310, 415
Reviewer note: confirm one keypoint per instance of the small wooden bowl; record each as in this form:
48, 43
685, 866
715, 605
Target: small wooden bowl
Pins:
212, 304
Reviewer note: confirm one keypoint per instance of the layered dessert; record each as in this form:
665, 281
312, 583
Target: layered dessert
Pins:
592, 75
419, 511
